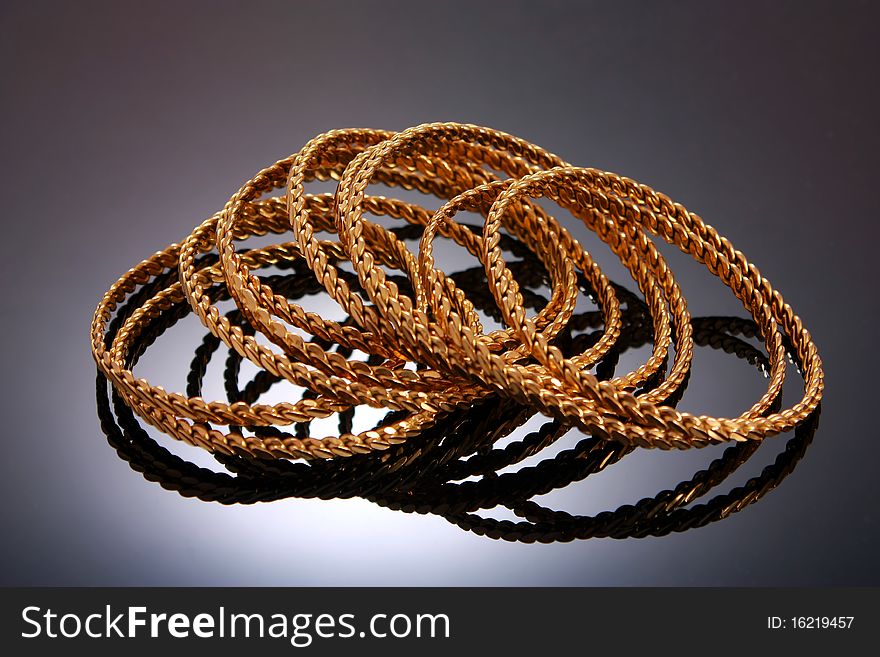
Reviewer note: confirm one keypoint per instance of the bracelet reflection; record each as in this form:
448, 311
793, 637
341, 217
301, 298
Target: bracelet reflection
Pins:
453, 469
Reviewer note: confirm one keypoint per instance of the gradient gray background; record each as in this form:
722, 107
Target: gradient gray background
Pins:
125, 124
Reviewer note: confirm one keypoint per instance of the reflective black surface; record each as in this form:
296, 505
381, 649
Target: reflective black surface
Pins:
426, 474
124, 126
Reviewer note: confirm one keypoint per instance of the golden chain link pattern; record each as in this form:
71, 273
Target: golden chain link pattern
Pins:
436, 326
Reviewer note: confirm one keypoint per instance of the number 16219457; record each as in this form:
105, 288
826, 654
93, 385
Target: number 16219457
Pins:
810, 622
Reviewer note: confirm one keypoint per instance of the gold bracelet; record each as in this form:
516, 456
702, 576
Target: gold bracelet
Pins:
437, 327
599, 407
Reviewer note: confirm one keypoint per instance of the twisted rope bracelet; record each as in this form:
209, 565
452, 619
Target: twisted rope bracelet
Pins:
424, 317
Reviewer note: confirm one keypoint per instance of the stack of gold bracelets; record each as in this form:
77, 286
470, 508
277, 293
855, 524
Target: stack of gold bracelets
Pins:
434, 325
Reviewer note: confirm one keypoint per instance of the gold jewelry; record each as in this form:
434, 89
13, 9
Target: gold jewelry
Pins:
437, 327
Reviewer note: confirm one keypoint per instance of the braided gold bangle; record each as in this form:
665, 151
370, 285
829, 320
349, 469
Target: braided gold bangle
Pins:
431, 321
615, 414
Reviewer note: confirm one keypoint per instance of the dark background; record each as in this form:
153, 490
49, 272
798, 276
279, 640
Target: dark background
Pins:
125, 124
